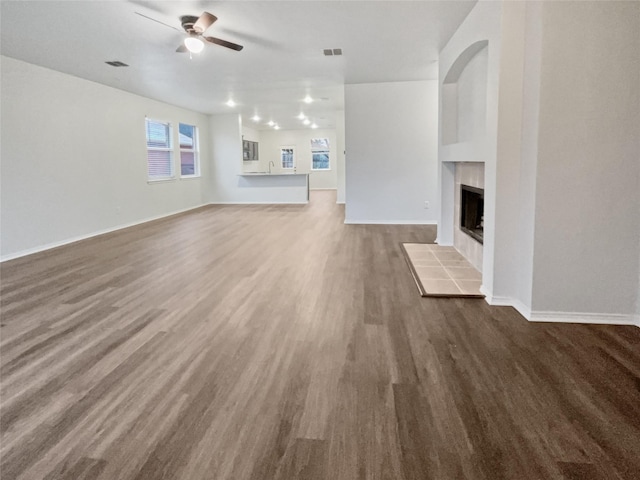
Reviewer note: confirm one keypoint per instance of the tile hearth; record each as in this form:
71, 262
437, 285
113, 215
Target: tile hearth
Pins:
441, 271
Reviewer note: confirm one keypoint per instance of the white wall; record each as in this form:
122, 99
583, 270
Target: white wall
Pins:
471, 103
341, 176
588, 193
522, 244
512, 252
272, 140
250, 134
391, 152
638, 292
226, 158
74, 159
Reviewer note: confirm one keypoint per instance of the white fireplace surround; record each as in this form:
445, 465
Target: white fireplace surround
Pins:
463, 142
471, 174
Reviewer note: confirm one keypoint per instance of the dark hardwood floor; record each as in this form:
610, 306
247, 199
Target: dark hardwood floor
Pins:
275, 342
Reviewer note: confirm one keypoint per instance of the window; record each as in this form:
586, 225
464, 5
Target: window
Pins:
189, 158
159, 150
319, 154
287, 157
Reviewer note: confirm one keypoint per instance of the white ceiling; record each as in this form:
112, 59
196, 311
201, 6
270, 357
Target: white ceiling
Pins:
282, 60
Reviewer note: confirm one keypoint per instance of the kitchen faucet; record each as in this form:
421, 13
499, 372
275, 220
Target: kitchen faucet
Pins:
271, 163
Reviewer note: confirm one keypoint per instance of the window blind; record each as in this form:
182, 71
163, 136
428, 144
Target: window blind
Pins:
159, 150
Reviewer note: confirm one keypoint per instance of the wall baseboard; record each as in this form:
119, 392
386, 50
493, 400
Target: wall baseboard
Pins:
259, 203
49, 246
443, 244
499, 301
585, 317
389, 222
522, 309
560, 317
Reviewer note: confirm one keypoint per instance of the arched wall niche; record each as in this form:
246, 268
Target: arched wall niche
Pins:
464, 96
463, 59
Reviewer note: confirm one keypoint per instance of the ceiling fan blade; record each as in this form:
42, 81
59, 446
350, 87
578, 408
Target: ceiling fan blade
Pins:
224, 43
181, 48
157, 21
204, 22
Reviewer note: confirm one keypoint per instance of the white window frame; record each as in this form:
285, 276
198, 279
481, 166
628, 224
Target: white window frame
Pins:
171, 175
195, 150
317, 150
293, 155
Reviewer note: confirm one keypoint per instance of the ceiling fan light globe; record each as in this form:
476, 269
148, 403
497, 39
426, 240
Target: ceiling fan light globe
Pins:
194, 44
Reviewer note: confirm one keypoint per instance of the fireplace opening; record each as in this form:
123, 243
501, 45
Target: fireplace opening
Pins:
472, 211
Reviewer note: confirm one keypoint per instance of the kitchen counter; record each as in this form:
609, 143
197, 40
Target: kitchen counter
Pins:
267, 174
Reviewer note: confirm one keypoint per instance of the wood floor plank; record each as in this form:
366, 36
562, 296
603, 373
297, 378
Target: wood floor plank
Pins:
254, 342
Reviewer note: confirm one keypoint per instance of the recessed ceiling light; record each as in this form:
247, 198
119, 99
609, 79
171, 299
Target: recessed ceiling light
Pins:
255, 118
308, 99
271, 123
231, 103
306, 121
277, 127
301, 116
314, 126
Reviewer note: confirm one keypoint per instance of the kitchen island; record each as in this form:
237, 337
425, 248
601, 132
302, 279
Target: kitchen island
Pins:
275, 187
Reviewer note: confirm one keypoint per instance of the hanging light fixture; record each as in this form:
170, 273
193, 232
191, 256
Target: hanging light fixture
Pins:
193, 44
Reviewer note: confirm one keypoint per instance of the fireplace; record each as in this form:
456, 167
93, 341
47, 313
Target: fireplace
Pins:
472, 211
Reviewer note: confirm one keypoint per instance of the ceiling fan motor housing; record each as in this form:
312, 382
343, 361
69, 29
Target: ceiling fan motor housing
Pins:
187, 23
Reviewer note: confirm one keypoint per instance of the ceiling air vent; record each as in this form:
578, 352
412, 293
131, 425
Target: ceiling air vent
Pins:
329, 52
116, 63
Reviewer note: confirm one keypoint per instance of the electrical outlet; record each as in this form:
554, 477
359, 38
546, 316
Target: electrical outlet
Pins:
426, 204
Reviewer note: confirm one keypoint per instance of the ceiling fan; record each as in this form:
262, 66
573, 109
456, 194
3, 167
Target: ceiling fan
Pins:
195, 27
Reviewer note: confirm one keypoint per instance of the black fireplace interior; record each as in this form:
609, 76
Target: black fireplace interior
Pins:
472, 211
